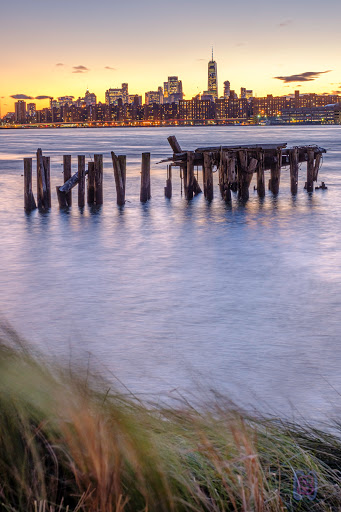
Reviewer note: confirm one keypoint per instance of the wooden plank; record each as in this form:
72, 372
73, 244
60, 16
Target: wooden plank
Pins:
119, 179
216, 149
174, 144
91, 183
67, 175
98, 161
29, 200
293, 155
81, 180
260, 175
145, 193
310, 170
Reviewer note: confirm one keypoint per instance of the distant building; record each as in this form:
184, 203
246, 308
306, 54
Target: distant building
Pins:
172, 90
135, 98
249, 94
65, 100
113, 95
20, 111
90, 98
212, 78
243, 92
31, 110
196, 110
227, 89
152, 97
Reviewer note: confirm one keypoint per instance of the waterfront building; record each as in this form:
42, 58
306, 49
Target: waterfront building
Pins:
329, 114
113, 95
20, 111
154, 97
31, 110
227, 89
212, 78
196, 110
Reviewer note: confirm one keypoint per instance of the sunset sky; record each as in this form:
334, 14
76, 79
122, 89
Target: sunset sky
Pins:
51, 48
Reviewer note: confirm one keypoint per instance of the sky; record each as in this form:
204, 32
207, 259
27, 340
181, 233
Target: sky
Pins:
57, 48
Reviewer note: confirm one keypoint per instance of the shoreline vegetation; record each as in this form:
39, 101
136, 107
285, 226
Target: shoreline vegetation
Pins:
70, 442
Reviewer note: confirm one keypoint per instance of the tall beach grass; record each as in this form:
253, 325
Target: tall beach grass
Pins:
69, 442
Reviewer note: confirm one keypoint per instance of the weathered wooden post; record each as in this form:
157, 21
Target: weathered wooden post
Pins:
317, 165
260, 175
42, 193
310, 170
123, 164
91, 183
81, 180
190, 175
293, 158
145, 193
222, 168
208, 176
168, 187
47, 170
119, 178
174, 144
98, 161
30, 203
231, 172
67, 175
275, 172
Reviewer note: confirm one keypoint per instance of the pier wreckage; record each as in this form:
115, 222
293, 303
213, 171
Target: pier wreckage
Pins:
236, 166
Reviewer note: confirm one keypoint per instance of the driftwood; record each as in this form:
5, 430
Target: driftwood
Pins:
64, 190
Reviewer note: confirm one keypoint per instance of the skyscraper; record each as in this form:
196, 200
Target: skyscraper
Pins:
20, 111
227, 89
212, 78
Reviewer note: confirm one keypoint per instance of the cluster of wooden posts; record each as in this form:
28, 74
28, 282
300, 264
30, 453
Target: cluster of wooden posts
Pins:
94, 172
236, 166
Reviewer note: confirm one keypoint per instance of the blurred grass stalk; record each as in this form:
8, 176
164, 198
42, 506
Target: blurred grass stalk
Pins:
65, 445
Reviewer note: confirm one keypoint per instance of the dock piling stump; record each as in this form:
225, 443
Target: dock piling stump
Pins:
260, 175
81, 180
67, 175
119, 174
293, 156
310, 170
98, 162
91, 183
145, 193
30, 203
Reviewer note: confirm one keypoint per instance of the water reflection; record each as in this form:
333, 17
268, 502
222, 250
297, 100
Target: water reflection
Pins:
243, 297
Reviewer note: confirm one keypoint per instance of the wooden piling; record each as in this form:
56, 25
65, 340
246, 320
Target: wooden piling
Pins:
208, 176
81, 180
91, 183
67, 175
275, 171
145, 193
47, 170
293, 158
98, 161
119, 175
190, 175
30, 203
196, 187
260, 175
310, 170
123, 164
317, 165
231, 172
168, 187
174, 144
42, 193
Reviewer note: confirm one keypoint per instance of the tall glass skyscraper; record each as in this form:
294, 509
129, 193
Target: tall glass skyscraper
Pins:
212, 78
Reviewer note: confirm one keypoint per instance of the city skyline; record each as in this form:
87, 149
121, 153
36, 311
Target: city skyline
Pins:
258, 52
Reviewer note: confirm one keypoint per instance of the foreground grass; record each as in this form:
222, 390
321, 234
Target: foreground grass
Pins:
67, 445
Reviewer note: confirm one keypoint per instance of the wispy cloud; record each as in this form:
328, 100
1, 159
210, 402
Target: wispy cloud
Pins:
44, 97
80, 69
308, 76
109, 67
285, 23
59, 64
21, 97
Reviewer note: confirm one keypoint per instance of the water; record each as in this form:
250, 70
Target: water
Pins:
175, 296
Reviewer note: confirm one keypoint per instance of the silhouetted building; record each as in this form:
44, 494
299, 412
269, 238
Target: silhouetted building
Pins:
227, 89
20, 111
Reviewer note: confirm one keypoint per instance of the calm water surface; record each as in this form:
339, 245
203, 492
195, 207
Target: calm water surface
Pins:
176, 295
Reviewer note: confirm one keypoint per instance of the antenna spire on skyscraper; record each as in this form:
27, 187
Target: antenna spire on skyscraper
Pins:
212, 53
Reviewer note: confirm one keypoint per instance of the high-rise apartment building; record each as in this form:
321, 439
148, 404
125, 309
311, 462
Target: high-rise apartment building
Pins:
113, 95
20, 111
172, 90
31, 110
243, 92
90, 98
227, 89
152, 97
212, 78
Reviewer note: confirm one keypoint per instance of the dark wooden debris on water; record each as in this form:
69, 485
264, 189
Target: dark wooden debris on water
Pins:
237, 164
145, 192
